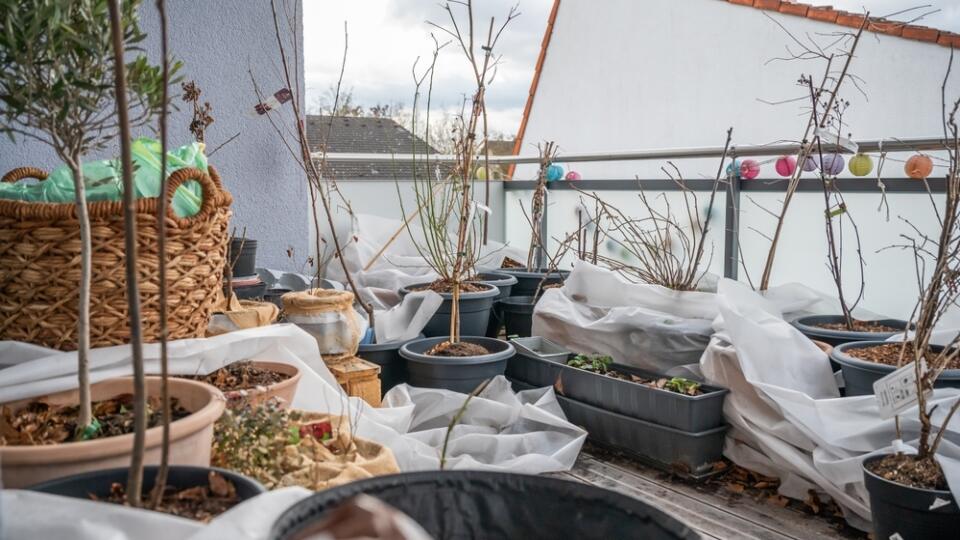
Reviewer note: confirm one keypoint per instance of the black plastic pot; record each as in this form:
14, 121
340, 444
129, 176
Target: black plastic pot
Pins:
859, 375
475, 308
242, 254
252, 292
504, 283
527, 282
393, 368
517, 312
98, 483
492, 505
906, 511
807, 326
460, 374
679, 411
275, 296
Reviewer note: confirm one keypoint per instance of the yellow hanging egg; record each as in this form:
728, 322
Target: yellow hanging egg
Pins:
861, 165
481, 173
918, 166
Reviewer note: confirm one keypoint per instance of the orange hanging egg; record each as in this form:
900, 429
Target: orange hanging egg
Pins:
918, 166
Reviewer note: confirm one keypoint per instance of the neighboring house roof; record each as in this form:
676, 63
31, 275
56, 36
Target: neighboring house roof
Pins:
827, 14
366, 135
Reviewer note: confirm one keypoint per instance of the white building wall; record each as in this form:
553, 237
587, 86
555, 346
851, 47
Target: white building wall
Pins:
628, 75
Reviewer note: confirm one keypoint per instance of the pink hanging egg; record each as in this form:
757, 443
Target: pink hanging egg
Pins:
573, 175
749, 169
786, 165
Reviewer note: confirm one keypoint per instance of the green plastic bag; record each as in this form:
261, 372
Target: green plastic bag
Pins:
104, 183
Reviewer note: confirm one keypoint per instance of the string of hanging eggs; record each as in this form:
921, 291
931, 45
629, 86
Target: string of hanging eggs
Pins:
918, 166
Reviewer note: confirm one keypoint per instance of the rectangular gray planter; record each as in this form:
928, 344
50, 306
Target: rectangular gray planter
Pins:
687, 413
685, 453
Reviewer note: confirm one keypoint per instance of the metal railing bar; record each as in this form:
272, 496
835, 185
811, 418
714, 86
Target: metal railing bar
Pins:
846, 185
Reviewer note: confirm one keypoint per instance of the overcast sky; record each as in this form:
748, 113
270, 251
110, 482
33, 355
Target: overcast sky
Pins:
386, 37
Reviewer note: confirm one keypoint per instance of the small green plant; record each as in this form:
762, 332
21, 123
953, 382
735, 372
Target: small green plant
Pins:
598, 363
251, 440
682, 386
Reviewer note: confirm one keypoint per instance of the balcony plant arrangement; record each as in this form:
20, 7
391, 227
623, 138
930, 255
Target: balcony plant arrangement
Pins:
459, 356
71, 105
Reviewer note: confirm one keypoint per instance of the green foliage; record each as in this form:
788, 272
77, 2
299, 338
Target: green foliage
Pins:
251, 440
598, 363
57, 78
682, 386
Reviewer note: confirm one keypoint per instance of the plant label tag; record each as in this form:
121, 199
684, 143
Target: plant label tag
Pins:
938, 503
897, 391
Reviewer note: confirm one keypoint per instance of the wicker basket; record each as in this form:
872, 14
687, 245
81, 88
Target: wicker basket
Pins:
40, 266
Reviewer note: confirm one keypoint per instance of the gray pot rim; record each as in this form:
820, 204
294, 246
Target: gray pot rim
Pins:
808, 329
376, 347
916, 490
497, 279
497, 356
842, 358
492, 292
537, 273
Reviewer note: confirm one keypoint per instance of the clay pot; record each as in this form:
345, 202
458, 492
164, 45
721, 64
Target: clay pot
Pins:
190, 437
284, 390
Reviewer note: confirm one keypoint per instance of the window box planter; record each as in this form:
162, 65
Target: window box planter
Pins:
475, 308
636, 400
859, 375
900, 511
494, 505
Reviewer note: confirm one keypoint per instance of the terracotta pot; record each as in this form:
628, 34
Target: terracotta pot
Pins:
190, 437
284, 390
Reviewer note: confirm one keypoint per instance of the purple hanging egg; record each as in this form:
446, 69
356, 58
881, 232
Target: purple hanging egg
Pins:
749, 169
833, 164
809, 164
786, 165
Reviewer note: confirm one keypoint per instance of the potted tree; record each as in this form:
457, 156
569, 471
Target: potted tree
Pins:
451, 241
909, 496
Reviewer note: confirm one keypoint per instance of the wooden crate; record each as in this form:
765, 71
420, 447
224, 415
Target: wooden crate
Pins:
357, 376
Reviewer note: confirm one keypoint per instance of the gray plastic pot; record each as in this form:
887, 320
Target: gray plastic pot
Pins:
475, 308
900, 511
527, 282
504, 282
457, 505
460, 374
859, 375
393, 368
636, 400
807, 327
517, 312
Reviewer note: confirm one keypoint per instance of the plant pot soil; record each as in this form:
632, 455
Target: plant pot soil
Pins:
527, 282
518, 315
475, 308
504, 282
393, 368
911, 512
623, 396
254, 382
460, 374
494, 505
199, 493
831, 330
859, 374
190, 437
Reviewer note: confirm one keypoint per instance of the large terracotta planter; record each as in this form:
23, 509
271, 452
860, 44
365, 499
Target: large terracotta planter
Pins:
190, 437
284, 390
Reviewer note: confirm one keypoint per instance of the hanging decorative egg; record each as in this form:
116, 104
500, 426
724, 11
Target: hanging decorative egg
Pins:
860, 165
733, 169
786, 165
832, 164
809, 164
918, 166
481, 173
749, 169
573, 175
554, 172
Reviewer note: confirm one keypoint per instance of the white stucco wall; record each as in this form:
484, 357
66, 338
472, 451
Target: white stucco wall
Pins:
629, 75
218, 46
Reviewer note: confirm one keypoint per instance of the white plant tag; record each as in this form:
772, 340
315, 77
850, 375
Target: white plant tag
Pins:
938, 502
895, 536
839, 140
897, 391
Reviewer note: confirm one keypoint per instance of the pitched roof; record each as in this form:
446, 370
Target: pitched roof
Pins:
877, 25
366, 135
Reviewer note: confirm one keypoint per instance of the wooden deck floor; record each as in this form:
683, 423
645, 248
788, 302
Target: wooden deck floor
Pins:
711, 511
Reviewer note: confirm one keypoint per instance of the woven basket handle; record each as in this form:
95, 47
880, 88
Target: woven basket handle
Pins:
209, 190
23, 172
